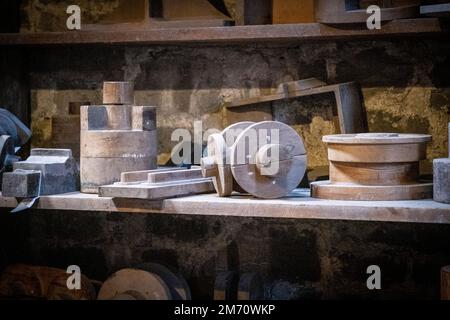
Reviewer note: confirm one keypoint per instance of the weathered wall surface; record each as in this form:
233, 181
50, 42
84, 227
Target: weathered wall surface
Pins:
298, 259
405, 84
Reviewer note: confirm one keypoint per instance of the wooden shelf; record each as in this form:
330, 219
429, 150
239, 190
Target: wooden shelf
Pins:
238, 34
298, 206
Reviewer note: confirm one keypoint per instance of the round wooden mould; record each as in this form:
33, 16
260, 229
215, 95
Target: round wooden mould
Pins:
265, 159
374, 166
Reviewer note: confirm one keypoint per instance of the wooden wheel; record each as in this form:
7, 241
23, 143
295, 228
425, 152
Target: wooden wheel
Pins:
217, 163
134, 284
268, 159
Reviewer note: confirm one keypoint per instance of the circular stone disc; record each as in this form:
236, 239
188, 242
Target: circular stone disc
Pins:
376, 138
292, 167
148, 285
177, 285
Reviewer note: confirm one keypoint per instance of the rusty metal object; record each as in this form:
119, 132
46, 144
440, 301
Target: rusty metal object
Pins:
350, 11
374, 166
116, 138
38, 282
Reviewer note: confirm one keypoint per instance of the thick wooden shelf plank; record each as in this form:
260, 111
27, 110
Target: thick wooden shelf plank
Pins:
238, 34
298, 206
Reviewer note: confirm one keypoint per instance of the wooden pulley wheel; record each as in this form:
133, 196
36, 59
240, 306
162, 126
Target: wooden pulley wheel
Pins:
134, 284
374, 166
268, 159
217, 164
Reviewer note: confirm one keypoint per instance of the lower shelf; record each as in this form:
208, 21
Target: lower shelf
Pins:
299, 205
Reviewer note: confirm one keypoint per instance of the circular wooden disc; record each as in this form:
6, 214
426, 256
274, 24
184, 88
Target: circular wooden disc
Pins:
219, 150
376, 138
292, 166
146, 284
177, 285
341, 191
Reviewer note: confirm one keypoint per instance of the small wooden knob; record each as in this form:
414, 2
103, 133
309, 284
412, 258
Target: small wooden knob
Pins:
118, 93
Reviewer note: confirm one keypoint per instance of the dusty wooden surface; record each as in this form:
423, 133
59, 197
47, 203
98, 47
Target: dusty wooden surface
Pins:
299, 205
259, 33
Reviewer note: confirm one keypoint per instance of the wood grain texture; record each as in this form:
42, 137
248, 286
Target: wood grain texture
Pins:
298, 205
239, 34
118, 92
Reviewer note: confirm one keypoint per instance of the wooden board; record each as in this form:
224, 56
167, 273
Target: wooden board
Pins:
293, 11
436, 10
298, 205
118, 92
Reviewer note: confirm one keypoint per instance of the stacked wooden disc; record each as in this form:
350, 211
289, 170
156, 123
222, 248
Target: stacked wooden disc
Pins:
441, 177
116, 137
374, 166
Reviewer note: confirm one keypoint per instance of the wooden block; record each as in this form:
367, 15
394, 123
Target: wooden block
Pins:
253, 12
155, 191
174, 175
142, 176
95, 172
441, 179
445, 283
293, 11
192, 9
118, 93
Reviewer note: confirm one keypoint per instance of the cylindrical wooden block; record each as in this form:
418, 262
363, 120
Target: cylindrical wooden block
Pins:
118, 93
445, 283
441, 177
115, 139
375, 166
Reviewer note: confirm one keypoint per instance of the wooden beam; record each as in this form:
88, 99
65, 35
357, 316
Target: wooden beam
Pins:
237, 34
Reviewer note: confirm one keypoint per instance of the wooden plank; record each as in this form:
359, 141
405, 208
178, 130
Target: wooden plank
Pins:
298, 205
445, 283
238, 34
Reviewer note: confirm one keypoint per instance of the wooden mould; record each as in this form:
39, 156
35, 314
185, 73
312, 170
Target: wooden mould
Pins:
158, 184
349, 103
374, 166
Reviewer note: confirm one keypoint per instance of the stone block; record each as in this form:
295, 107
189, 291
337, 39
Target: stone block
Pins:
21, 184
441, 176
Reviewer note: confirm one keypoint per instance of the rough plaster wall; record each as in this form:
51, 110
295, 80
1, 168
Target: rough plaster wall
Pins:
405, 84
297, 259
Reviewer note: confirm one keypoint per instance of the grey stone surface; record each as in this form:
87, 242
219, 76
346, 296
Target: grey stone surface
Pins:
441, 183
21, 184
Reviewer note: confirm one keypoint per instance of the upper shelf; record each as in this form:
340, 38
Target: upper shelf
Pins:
238, 34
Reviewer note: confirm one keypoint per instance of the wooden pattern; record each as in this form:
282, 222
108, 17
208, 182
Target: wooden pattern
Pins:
282, 173
118, 92
374, 166
134, 284
159, 184
350, 107
217, 164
